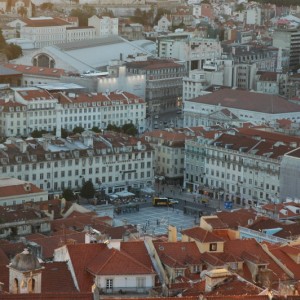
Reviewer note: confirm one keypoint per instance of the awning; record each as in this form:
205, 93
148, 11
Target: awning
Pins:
148, 190
124, 194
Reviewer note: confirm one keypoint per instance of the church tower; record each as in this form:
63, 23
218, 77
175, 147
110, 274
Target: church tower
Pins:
25, 274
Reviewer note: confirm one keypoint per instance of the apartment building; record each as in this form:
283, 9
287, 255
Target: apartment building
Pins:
169, 154
192, 50
101, 109
111, 161
253, 16
14, 191
105, 26
243, 166
289, 39
163, 81
27, 109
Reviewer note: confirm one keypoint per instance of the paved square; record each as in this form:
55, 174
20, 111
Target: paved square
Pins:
155, 220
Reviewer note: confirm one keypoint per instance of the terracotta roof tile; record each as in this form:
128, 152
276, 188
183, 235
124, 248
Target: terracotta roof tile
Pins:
154, 64
237, 247
237, 218
115, 262
41, 71
235, 287
11, 187
288, 256
216, 223
178, 254
57, 274
139, 251
50, 243
45, 22
81, 255
201, 235
246, 100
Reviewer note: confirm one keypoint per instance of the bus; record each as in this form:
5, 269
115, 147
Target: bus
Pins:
163, 201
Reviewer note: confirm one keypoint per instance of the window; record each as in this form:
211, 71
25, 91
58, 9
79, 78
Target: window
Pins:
213, 247
109, 284
141, 282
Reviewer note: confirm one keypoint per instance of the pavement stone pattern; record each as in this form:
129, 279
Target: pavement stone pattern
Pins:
155, 220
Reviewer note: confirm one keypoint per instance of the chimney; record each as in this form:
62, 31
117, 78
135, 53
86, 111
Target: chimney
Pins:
139, 146
172, 233
215, 277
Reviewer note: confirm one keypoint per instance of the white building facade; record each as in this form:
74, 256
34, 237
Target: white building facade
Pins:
241, 106
27, 109
111, 161
104, 26
228, 169
14, 191
192, 50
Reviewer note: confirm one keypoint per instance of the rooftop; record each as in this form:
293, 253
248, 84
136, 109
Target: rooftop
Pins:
245, 100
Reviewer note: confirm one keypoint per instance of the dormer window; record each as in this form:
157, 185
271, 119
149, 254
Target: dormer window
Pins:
213, 247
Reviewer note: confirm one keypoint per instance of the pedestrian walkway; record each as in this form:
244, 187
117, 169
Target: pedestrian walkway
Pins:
155, 220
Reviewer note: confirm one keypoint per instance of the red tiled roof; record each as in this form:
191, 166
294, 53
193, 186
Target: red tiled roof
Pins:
137, 250
235, 287
285, 255
50, 243
11, 249
154, 64
34, 94
76, 221
51, 296
102, 99
45, 22
18, 189
178, 254
57, 275
271, 136
237, 247
3, 258
268, 76
246, 100
237, 218
215, 223
115, 262
201, 235
81, 255
41, 71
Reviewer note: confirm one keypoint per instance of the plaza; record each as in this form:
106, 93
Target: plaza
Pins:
155, 220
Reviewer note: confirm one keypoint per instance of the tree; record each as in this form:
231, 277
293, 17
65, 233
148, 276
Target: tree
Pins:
22, 11
78, 129
96, 129
68, 194
46, 6
13, 51
83, 14
87, 190
38, 133
129, 129
2, 41
240, 7
115, 128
